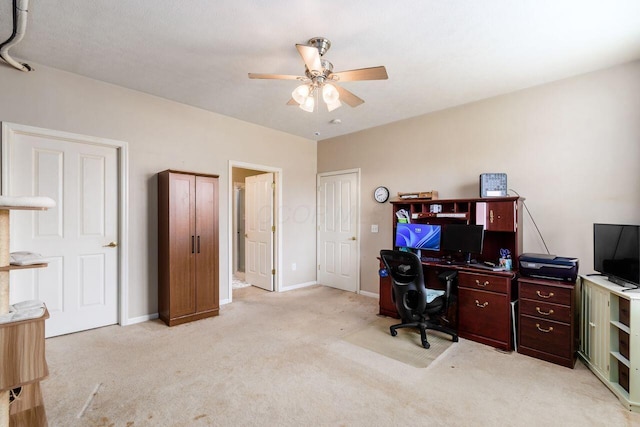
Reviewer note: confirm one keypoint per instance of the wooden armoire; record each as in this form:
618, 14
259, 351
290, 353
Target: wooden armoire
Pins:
188, 237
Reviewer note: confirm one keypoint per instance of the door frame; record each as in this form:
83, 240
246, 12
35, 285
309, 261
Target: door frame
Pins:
358, 219
122, 154
277, 216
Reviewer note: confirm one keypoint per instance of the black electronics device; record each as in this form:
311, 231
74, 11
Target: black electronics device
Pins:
493, 185
616, 253
462, 238
547, 266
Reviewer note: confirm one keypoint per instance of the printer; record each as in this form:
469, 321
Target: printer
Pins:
547, 266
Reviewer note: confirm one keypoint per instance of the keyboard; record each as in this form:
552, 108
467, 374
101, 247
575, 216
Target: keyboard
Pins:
487, 267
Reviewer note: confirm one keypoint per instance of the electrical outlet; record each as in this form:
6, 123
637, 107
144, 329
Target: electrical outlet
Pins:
294, 267
374, 228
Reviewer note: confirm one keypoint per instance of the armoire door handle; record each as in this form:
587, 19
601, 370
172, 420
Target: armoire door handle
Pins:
193, 244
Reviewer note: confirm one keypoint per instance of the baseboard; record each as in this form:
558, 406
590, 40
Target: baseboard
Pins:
140, 319
298, 286
369, 294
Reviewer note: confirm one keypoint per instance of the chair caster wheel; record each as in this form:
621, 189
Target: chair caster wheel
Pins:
425, 344
454, 339
394, 332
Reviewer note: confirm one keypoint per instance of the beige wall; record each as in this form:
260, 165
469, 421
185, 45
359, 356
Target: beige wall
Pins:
572, 148
162, 134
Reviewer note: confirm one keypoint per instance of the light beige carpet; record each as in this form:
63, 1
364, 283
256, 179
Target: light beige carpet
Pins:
406, 347
280, 359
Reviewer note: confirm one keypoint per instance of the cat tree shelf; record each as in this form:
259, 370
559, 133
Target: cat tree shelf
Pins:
21, 342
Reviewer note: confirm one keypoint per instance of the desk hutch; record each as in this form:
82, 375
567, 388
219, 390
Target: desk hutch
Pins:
484, 297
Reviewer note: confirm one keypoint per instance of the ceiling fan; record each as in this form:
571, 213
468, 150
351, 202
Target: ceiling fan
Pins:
319, 77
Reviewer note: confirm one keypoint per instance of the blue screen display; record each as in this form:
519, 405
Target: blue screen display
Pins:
418, 236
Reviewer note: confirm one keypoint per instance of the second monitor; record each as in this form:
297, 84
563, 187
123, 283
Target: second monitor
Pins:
463, 239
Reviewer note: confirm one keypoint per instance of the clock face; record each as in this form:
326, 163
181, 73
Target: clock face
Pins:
381, 194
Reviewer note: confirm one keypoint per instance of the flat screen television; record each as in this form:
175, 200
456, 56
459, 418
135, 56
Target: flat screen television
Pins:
462, 238
616, 253
418, 236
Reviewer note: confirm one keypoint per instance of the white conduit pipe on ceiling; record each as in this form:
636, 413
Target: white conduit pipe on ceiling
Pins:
20, 10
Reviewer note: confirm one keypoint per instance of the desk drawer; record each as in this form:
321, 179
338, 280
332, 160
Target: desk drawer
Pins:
484, 313
485, 282
545, 293
545, 310
546, 336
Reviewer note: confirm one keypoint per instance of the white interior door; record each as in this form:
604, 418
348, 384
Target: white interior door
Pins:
259, 230
79, 236
338, 213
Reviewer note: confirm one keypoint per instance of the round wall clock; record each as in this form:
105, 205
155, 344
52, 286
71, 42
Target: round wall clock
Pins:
381, 194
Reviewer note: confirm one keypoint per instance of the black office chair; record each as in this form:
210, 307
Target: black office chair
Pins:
410, 295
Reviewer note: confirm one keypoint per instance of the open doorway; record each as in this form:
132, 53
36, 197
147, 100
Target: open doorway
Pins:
253, 240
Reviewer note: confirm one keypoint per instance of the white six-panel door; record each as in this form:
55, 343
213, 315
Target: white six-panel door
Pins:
79, 236
338, 250
259, 230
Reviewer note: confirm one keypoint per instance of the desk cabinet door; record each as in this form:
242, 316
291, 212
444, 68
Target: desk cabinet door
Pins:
484, 314
497, 216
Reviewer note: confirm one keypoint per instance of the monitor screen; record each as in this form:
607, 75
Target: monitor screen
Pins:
418, 236
463, 238
616, 252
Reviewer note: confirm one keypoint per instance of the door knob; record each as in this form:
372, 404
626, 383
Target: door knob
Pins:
353, 238
110, 245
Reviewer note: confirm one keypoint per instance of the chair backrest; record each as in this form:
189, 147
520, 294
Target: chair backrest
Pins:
407, 279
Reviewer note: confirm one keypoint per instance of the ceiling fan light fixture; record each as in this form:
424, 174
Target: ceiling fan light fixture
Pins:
333, 105
308, 104
330, 93
301, 94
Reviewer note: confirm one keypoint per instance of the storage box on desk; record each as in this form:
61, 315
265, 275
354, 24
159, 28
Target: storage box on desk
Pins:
22, 352
547, 266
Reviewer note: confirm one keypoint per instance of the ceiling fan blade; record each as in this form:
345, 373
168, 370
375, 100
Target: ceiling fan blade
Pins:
292, 102
348, 97
275, 76
311, 57
372, 73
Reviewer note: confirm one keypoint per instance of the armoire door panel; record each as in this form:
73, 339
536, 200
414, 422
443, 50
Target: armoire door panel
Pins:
206, 243
182, 247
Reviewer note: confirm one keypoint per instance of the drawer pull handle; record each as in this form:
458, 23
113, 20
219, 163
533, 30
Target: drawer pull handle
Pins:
548, 313
483, 305
544, 330
544, 296
484, 285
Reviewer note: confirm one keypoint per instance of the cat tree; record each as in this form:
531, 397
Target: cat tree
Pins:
21, 342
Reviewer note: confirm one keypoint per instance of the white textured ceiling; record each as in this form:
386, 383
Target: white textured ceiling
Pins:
438, 53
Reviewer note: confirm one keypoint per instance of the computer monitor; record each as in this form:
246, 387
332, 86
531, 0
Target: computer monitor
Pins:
463, 238
418, 236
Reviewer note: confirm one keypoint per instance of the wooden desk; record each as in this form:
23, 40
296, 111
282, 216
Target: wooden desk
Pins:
482, 312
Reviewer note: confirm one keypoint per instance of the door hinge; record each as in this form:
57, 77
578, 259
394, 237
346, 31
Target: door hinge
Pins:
273, 271
273, 185
318, 266
273, 228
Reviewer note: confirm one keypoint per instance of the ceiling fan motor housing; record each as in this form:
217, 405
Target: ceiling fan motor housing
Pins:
320, 43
